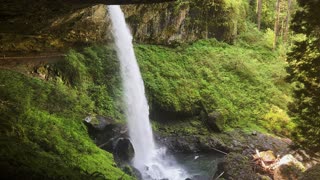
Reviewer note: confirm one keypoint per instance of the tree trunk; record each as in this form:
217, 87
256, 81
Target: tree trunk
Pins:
259, 9
286, 30
276, 24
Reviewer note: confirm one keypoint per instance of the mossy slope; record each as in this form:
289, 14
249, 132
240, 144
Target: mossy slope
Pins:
244, 82
42, 120
43, 136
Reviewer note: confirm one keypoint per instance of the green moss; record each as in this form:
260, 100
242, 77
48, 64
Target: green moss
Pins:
238, 81
42, 132
242, 82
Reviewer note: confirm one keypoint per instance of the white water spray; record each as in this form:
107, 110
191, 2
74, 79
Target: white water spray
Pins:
150, 161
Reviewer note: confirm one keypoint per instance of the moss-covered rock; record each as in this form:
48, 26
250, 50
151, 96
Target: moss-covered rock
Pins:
236, 166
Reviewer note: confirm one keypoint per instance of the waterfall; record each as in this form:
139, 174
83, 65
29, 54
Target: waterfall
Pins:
150, 160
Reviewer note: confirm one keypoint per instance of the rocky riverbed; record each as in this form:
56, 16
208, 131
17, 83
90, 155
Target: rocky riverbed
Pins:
237, 147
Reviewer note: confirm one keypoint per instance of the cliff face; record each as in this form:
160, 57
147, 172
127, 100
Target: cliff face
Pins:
46, 26
169, 23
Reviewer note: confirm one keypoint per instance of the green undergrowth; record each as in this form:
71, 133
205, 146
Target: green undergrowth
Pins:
244, 82
181, 127
42, 130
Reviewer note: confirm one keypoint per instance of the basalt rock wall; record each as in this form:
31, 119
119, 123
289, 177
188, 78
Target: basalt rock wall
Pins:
55, 26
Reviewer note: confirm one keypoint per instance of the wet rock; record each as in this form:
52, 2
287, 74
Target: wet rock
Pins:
236, 166
180, 144
136, 173
99, 122
200, 177
105, 131
238, 141
123, 150
235, 141
190, 143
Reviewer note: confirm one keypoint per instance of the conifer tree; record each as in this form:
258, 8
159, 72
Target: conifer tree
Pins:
304, 70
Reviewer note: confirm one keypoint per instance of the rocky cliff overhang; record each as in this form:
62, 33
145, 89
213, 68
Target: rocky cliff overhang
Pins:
17, 15
35, 25
56, 25
115, 2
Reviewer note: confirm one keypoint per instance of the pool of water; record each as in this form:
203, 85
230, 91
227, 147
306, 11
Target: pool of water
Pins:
200, 166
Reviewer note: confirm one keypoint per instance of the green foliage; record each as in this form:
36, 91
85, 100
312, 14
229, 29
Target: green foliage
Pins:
94, 74
304, 68
268, 38
75, 71
278, 122
43, 136
239, 82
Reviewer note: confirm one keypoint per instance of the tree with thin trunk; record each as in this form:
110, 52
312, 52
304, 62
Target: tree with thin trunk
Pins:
286, 30
276, 24
259, 9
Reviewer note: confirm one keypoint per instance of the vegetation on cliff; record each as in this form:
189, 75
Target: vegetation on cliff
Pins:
245, 83
42, 130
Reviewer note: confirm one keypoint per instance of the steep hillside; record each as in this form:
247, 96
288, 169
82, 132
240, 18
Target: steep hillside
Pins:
42, 129
244, 84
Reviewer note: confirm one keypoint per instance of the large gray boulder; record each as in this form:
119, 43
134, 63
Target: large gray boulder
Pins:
123, 151
236, 166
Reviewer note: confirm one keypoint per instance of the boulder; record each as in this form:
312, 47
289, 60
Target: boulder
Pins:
123, 151
215, 121
99, 122
263, 142
104, 131
236, 166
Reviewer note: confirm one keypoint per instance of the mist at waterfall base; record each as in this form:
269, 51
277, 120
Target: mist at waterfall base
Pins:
150, 160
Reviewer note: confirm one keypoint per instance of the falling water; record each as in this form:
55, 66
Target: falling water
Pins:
151, 161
